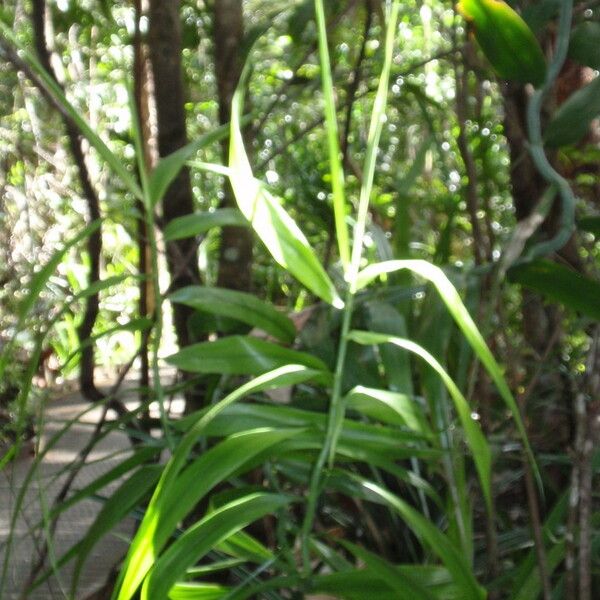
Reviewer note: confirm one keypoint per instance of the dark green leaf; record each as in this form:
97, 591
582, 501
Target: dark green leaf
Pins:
572, 120
585, 44
558, 283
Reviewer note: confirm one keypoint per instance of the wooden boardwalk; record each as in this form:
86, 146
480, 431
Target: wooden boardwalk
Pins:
74, 522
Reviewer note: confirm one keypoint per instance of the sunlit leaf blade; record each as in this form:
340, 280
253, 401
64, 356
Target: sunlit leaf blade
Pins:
401, 585
173, 500
197, 224
198, 591
116, 508
571, 122
335, 163
240, 355
203, 536
388, 407
141, 552
168, 167
277, 230
242, 306
457, 309
506, 40
558, 283
474, 436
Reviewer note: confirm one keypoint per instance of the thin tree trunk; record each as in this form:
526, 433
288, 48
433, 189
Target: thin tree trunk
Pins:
94, 242
235, 255
164, 41
143, 90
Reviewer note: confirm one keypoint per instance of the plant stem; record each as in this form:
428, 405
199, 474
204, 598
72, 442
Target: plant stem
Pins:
337, 405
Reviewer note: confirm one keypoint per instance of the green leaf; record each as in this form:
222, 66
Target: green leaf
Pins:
192, 225
558, 283
242, 306
584, 46
168, 167
116, 508
401, 585
474, 436
388, 407
199, 539
240, 355
358, 584
506, 40
463, 319
277, 230
429, 534
572, 120
335, 162
198, 591
142, 550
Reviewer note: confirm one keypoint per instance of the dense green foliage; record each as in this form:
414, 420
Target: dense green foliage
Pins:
405, 403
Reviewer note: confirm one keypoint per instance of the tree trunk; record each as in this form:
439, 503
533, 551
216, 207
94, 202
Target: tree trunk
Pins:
164, 40
143, 91
235, 256
94, 244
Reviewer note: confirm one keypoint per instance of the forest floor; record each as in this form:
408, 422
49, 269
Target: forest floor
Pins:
74, 522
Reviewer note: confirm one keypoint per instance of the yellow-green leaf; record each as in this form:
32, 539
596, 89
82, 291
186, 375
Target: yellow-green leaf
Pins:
506, 40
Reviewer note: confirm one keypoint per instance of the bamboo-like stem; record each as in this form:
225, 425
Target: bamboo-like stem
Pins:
337, 404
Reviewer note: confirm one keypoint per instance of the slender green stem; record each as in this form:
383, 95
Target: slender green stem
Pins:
337, 405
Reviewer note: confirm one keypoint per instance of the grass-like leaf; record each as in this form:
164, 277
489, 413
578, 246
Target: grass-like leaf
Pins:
240, 355
273, 225
242, 306
197, 224
475, 438
199, 539
142, 551
457, 309
168, 167
428, 533
388, 407
333, 140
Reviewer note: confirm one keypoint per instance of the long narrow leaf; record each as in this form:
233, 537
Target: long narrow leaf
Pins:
277, 230
238, 305
475, 438
168, 167
240, 355
142, 552
402, 586
197, 224
431, 536
466, 324
202, 537
333, 144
